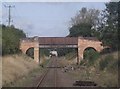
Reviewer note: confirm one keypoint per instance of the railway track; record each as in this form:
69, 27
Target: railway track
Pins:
53, 77
41, 79
51, 72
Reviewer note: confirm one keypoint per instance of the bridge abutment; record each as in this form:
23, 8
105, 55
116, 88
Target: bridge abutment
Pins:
75, 42
80, 55
36, 54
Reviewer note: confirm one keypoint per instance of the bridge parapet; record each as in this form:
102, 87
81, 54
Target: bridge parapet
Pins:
59, 42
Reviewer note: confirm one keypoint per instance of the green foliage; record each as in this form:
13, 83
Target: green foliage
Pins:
82, 29
104, 62
109, 29
108, 77
71, 55
44, 52
84, 23
89, 23
90, 56
10, 39
64, 51
113, 67
109, 63
89, 16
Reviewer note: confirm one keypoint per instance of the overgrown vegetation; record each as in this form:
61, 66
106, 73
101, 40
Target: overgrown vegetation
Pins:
90, 56
105, 62
15, 67
100, 24
109, 28
71, 55
65, 51
109, 63
103, 70
10, 39
44, 52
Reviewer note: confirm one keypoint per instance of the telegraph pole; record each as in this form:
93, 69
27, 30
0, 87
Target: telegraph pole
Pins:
9, 13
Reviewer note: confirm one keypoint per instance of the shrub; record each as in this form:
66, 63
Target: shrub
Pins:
91, 56
104, 62
10, 39
113, 67
71, 55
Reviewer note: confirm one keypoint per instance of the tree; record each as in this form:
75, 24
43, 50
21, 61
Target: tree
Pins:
89, 16
10, 39
109, 30
82, 29
85, 23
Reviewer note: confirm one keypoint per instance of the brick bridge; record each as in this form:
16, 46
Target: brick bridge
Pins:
81, 43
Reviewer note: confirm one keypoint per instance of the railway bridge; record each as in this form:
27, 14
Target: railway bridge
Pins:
81, 43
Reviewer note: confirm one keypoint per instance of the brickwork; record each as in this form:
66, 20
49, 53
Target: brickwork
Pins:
83, 43
26, 44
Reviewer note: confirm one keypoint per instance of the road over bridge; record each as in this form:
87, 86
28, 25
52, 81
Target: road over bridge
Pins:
81, 43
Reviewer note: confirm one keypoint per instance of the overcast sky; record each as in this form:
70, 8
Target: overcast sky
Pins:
45, 19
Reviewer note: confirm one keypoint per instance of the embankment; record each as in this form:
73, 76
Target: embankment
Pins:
15, 67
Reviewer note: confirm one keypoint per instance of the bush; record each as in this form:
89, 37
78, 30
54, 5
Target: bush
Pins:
106, 50
71, 55
65, 51
104, 62
10, 39
44, 52
113, 67
91, 56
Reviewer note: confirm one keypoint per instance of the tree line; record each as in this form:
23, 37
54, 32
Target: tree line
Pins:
86, 23
96, 23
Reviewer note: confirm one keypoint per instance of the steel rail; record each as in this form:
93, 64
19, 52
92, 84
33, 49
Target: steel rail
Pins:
43, 77
45, 74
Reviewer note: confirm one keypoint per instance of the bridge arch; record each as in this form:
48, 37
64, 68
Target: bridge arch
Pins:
30, 52
87, 49
26, 44
84, 43
81, 43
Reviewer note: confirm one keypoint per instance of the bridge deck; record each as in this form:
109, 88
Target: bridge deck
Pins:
58, 40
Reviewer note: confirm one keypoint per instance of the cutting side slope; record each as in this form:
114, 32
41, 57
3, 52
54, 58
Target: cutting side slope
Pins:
15, 67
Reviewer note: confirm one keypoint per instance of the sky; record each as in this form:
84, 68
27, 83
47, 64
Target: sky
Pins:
45, 19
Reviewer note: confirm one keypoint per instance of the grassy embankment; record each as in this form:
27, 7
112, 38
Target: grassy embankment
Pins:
17, 70
104, 70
